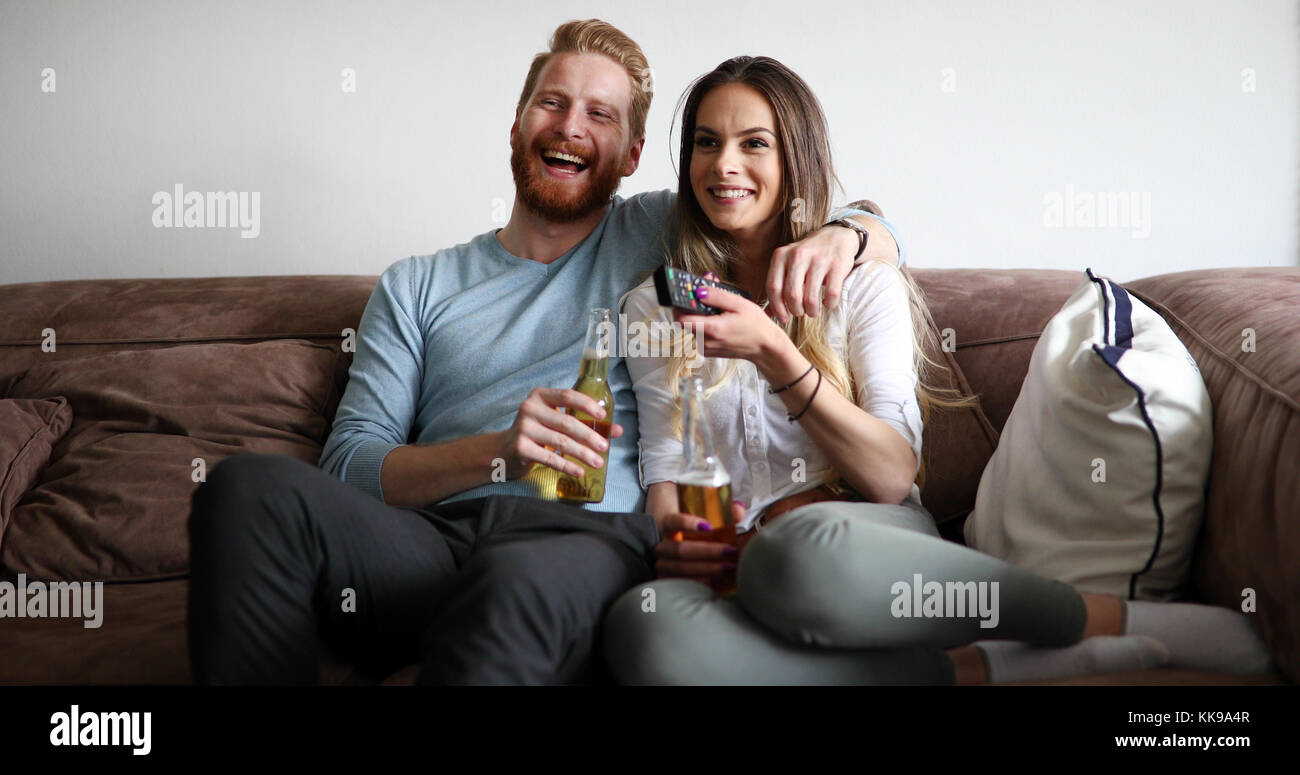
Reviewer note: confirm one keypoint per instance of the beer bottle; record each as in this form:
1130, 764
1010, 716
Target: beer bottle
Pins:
704, 486
593, 380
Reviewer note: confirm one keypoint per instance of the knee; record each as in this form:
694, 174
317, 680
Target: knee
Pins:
662, 632
253, 473
815, 573
795, 549
829, 545
794, 576
233, 496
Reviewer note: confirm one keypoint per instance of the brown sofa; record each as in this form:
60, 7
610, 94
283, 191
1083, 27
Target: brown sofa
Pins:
142, 386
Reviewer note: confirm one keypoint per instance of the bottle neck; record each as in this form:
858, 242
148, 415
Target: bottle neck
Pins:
596, 346
697, 436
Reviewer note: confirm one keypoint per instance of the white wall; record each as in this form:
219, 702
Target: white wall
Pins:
961, 119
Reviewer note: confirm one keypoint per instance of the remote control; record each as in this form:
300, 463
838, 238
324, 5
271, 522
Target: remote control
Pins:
676, 288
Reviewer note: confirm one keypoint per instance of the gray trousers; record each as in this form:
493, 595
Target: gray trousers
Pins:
496, 590
837, 593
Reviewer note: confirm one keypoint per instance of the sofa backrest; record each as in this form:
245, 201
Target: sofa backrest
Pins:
90, 317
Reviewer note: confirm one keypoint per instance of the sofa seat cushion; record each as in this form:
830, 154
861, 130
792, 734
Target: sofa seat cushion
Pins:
141, 639
1099, 477
114, 502
29, 429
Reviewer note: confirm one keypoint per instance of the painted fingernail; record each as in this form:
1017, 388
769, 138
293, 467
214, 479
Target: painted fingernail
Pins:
740, 503
701, 292
710, 276
731, 551
678, 537
704, 527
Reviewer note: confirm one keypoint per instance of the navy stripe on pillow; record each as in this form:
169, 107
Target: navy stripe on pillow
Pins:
1116, 304
1115, 298
1123, 316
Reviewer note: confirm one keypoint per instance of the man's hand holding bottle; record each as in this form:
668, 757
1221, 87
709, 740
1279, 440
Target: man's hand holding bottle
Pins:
543, 433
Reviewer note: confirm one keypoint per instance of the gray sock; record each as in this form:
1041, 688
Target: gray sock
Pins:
1200, 637
1010, 661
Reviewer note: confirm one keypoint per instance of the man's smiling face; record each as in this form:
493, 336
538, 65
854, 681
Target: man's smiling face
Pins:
570, 145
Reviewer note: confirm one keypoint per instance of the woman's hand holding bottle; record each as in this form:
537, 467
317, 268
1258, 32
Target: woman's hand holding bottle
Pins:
682, 553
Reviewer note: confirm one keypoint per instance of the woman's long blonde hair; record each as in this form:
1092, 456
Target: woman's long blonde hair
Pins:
697, 246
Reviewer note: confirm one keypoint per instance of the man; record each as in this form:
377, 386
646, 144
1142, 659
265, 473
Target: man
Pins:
435, 550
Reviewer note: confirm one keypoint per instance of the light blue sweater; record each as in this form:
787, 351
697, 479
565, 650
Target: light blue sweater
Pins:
451, 344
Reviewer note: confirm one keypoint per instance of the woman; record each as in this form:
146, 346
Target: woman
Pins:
793, 407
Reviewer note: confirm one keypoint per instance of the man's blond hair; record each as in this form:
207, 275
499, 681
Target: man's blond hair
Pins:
594, 36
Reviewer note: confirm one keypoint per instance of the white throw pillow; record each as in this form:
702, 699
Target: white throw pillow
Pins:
1099, 477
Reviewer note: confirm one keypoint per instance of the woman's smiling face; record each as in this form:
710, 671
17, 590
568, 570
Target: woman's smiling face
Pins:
736, 161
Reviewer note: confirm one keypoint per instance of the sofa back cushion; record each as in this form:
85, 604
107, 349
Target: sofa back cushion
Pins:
147, 425
71, 319
66, 321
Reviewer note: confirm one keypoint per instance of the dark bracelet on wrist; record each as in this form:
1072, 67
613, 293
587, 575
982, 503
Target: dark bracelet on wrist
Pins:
793, 417
792, 384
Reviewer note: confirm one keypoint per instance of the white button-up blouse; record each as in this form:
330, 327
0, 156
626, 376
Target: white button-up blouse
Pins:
767, 456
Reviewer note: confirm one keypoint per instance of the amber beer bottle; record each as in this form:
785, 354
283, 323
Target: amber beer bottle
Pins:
593, 380
703, 486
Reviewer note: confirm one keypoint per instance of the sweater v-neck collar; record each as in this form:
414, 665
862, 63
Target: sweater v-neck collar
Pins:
552, 267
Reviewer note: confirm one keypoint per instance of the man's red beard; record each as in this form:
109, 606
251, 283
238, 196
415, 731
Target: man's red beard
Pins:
556, 200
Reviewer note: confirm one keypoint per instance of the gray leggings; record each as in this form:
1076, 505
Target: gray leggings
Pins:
828, 594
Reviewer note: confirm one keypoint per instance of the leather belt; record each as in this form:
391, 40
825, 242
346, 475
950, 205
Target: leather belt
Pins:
837, 491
